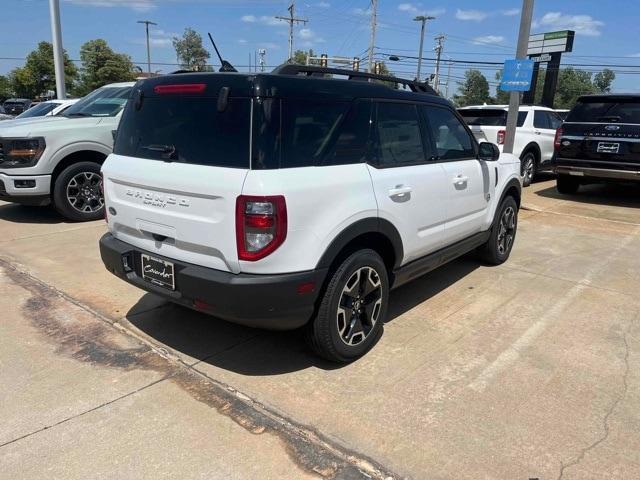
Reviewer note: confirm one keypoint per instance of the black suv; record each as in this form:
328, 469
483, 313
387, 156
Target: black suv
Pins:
599, 141
15, 106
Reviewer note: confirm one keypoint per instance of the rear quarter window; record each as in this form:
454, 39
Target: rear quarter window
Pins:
187, 130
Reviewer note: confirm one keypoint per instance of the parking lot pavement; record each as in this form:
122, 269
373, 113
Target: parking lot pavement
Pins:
525, 370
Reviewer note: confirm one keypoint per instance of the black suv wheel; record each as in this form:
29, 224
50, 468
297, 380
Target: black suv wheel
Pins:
567, 184
352, 312
77, 192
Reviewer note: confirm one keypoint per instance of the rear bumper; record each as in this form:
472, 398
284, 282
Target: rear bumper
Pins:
607, 173
36, 195
262, 301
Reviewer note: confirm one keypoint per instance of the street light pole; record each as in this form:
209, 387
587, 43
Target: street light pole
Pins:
423, 19
58, 58
146, 26
514, 98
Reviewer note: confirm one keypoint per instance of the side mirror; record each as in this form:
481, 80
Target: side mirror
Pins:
488, 152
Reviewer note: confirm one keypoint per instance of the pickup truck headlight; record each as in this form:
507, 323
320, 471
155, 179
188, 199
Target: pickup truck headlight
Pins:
20, 152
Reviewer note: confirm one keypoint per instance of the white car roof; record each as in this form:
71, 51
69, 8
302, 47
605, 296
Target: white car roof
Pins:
523, 108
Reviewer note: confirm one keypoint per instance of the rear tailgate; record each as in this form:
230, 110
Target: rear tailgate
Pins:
178, 166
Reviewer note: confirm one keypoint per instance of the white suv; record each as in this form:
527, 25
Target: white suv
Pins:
280, 201
535, 133
57, 159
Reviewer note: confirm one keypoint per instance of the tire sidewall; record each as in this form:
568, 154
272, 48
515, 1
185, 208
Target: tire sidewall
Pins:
525, 159
60, 201
506, 203
362, 258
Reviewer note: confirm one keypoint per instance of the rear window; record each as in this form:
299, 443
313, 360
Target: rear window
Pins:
600, 110
489, 117
39, 110
187, 130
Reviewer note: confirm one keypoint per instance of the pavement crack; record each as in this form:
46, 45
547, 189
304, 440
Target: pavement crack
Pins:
78, 415
609, 412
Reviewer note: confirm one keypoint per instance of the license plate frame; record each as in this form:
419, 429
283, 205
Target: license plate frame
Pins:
608, 147
157, 271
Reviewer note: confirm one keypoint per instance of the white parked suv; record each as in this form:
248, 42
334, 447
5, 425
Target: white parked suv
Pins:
280, 200
535, 133
57, 159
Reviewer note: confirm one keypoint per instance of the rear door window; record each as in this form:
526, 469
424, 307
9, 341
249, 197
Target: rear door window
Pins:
398, 139
540, 119
451, 138
187, 130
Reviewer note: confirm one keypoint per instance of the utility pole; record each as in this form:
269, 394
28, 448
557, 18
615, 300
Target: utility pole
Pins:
423, 19
58, 57
292, 20
440, 45
146, 26
374, 23
514, 98
446, 92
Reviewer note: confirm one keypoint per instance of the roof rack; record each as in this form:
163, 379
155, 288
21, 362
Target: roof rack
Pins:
313, 70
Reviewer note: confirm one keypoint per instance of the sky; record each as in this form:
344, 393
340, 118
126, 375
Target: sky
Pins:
475, 31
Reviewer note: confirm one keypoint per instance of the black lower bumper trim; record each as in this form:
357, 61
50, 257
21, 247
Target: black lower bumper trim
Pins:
264, 301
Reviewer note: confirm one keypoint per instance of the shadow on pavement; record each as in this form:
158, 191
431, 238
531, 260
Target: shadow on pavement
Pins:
15, 213
609, 194
255, 352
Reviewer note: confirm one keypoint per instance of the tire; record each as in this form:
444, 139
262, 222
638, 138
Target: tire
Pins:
361, 284
81, 181
567, 185
528, 168
503, 233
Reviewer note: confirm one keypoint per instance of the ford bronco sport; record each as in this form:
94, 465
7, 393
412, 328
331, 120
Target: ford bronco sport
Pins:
290, 199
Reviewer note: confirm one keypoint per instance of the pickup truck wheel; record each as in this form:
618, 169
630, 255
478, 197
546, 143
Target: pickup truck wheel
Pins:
567, 185
77, 192
503, 233
528, 165
352, 311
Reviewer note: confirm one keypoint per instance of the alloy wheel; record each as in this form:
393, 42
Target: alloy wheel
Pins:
506, 230
84, 192
359, 306
527, 169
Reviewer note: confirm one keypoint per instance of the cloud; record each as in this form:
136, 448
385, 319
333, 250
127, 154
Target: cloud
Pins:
473, 15
158, 38
322, 5
582, 24
264, 19
634, 55
512, 12
416, 9
363, 12
269, 46
242, 41
309, 38
137, 5
488, 39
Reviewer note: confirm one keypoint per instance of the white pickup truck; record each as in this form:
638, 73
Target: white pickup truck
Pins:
56, 160
535, 133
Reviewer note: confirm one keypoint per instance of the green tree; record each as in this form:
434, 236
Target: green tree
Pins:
190, 52
602, 80
5, 88
571, 84
101, 65
37, 76
300, 56
474, 90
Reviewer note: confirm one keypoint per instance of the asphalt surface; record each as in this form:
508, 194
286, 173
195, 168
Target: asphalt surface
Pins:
527, 370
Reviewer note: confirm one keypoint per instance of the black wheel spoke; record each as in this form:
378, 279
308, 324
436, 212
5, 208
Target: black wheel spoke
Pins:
359, 306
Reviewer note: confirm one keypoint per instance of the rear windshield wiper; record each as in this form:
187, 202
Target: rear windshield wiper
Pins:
168, 152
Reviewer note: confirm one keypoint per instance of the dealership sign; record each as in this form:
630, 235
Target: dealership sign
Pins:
551, 42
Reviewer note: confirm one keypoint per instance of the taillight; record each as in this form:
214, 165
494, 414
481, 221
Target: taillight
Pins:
501, 135
261, 225
180, 88
556, 140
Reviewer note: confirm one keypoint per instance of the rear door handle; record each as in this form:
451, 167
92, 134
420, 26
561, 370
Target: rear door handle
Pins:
399, 191
537, 132
460, 180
